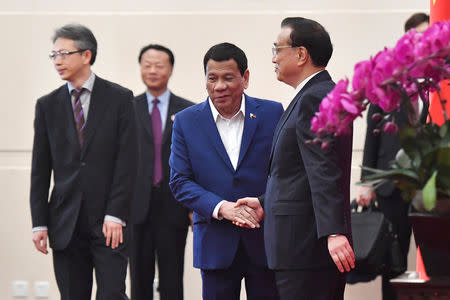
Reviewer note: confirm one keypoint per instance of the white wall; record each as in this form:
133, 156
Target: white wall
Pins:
358, 29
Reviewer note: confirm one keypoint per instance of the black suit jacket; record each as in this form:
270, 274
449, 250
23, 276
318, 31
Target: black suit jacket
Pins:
308, 190
380, 150
100, 174
176, 214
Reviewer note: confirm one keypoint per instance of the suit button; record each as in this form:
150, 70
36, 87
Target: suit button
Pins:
83, 164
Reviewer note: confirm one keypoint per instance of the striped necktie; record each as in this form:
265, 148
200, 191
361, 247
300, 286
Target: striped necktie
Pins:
78, 114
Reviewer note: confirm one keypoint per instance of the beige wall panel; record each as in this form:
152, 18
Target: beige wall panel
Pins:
209, 6
15, 5
18, 258
16, 60
121, 36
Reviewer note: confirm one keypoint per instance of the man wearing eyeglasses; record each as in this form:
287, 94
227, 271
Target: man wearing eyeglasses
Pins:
84, 135
306, 204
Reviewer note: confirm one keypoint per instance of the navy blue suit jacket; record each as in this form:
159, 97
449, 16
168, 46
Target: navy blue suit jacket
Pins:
202, 175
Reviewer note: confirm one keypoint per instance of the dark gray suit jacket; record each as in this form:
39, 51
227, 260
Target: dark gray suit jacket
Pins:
308, 190
380, 150
100, 174
176, 214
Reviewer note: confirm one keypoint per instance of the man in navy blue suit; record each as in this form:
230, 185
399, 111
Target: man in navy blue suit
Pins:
220, 153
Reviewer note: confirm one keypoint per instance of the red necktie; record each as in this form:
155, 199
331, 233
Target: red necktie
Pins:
78, 114
157, 141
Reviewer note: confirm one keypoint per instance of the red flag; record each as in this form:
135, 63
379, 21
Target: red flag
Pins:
439, 11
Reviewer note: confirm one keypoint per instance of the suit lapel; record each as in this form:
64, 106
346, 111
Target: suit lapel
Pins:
250, 124
283, 120
322, 76
142, 112
69, 119
173, 109
97, 107
209, 127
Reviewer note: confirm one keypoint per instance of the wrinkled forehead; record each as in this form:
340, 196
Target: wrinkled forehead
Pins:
222, 67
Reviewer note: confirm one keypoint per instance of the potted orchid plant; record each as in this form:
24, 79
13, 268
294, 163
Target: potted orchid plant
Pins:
400, 77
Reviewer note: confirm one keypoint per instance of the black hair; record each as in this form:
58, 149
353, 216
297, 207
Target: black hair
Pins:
415, 20
159, 48
311, 35
82, 36
226, 51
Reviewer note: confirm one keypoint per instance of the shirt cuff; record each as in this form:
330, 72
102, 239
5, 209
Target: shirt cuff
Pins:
115, 220
216, 211
39, 228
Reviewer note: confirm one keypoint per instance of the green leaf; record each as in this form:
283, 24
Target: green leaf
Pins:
429, 192
403, 159
370, 182
443, 130
443, 180
391, 174
444, 156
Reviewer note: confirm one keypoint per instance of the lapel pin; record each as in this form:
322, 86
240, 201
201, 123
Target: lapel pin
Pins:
252, 116
172, 117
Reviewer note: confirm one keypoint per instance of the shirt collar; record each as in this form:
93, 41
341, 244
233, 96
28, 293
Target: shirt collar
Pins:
163, 98
304, 82
216, 114
88, 84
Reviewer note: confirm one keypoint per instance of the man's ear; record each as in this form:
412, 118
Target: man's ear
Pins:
87, 56
246, 78
302, 55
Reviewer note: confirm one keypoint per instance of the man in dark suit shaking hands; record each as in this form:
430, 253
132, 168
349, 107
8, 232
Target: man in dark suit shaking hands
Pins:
84, 133
306, 203
160, 223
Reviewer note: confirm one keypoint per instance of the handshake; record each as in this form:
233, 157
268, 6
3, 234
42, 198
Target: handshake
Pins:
246, 212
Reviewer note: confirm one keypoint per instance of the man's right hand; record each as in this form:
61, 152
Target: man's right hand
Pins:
365, 195
252, 204
40, 240
240, 213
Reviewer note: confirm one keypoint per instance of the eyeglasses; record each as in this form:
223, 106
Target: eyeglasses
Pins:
276, 49
63, 54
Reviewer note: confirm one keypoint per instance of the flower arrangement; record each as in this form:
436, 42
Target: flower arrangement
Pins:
399, 77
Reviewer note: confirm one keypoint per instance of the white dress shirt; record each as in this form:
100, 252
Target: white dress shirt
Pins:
230, 131
303, 83
85, 99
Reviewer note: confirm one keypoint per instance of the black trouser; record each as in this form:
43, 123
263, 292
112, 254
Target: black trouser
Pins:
225, 284
154, 240
323, 284
86, 251
396, 211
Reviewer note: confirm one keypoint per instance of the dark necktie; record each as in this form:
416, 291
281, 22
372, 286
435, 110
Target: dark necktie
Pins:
157, 140
78, 114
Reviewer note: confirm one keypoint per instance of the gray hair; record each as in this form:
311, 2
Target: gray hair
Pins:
82, 36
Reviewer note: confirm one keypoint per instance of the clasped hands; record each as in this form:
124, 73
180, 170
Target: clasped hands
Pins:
247, 212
